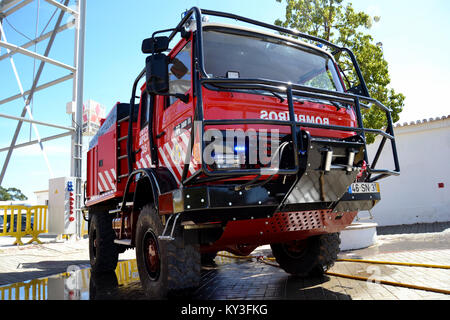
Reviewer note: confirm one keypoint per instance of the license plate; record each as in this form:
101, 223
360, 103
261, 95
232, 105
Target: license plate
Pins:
364, 188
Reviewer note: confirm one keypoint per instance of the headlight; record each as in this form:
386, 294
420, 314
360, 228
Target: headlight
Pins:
228, 158
239, 150
226, 161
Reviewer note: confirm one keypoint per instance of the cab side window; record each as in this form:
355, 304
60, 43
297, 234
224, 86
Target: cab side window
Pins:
146, 106
180, 73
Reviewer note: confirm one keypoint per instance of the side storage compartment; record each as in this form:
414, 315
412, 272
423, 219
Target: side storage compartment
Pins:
107, 158
91, 176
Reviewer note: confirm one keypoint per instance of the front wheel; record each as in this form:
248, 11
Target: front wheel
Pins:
164, 265
309, 257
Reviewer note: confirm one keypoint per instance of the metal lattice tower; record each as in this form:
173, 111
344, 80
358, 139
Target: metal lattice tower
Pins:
62, 9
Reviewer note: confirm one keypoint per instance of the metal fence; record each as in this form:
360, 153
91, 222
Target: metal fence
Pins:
20, 221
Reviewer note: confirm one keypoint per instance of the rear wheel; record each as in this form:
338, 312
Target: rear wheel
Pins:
309, 257
164, 265
207, 259
103, 252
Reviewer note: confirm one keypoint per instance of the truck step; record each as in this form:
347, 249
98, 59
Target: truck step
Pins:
125, 242
128, 204
166, 238
170, 237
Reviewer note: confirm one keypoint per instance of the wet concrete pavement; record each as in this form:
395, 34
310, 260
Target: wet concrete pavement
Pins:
234, 279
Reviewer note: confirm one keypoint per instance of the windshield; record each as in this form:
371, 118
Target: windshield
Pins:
230, 53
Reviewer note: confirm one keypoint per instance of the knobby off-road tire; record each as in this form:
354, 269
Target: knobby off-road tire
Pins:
207, 259
164, 266
103, 252
103, 286
309, 257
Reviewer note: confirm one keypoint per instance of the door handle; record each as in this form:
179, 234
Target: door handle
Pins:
160, 134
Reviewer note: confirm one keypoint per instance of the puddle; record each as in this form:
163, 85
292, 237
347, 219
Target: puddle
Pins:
236, 278
75, 284
80, 284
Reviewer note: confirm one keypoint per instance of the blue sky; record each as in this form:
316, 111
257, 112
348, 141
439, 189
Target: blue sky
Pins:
414, 36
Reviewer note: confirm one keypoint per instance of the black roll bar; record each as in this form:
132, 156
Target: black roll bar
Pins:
313, 93
202, 79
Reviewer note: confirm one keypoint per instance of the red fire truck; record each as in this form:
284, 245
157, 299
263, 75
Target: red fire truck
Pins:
242, 137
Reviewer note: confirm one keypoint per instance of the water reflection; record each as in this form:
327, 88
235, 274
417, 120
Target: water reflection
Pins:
75, 284
230, 279
103, 286
81, 284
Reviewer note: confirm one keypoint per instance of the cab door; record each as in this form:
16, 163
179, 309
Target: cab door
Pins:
173, 117
144, 157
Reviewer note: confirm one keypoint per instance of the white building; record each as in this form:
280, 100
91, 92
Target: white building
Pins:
421, 194
41, 197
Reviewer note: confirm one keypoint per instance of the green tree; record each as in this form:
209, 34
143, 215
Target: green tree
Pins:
338, 22
11, 194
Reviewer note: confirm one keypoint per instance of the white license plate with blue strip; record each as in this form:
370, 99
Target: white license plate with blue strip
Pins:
363, 187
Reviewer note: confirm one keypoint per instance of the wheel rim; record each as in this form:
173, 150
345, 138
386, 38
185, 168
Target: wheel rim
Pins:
151, 255
296, 249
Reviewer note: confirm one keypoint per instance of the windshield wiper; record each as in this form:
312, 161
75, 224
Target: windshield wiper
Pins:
338, 105
277, 96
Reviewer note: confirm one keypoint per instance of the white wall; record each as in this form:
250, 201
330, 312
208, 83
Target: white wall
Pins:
41, 197
424, 156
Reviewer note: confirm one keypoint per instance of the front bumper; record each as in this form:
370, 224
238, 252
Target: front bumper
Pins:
224, 203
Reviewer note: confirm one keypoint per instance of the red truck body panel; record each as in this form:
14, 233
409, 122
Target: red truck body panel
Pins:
103, 163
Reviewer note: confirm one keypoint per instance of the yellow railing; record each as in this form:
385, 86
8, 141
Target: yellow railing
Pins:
19, 221
84, 228
127, 272
35, 289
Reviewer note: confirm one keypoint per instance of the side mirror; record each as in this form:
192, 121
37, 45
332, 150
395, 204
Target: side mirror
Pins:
157, 73
155, 45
